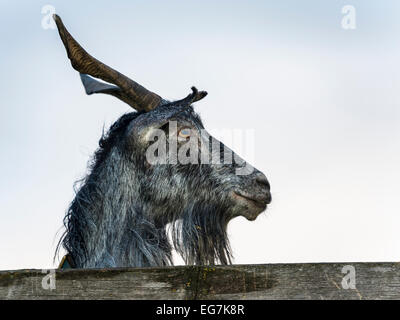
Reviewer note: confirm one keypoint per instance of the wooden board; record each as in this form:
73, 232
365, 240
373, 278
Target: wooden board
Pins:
272, 281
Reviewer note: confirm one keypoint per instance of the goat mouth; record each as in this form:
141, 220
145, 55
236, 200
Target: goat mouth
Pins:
250, 206
252, 200
257, 201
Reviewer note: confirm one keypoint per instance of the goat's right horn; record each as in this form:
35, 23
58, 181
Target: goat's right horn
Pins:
125, 88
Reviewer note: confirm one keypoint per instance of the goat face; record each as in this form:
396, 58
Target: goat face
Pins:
184, 166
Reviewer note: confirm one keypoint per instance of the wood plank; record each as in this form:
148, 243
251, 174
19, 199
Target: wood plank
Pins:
271, 281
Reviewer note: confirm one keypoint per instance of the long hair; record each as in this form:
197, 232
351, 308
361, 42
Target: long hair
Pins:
108, 223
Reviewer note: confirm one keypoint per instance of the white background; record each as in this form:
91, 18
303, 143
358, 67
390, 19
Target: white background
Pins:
323, 103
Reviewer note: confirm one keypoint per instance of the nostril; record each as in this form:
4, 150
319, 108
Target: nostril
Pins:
262, 179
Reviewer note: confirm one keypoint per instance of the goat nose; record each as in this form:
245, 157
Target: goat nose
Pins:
262, 179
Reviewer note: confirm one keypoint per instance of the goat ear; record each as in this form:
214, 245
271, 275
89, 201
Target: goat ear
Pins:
93, 86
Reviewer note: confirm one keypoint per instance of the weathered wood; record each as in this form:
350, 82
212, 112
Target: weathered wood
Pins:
272, 281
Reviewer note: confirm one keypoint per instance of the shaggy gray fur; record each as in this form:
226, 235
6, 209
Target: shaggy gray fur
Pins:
123, 206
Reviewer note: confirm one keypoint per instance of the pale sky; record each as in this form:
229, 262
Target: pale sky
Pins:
323, 103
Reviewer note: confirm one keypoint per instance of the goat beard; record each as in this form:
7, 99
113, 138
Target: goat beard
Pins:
198, 232
200, 235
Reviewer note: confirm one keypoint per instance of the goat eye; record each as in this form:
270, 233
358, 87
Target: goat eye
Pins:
184, 133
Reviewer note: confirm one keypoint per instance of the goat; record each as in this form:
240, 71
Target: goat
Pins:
136, 186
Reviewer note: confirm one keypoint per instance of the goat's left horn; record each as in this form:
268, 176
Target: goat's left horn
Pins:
125, 88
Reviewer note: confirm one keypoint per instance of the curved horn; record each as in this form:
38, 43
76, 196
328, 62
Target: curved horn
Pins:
126, 89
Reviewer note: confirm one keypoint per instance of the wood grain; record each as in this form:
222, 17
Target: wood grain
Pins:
271, 281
